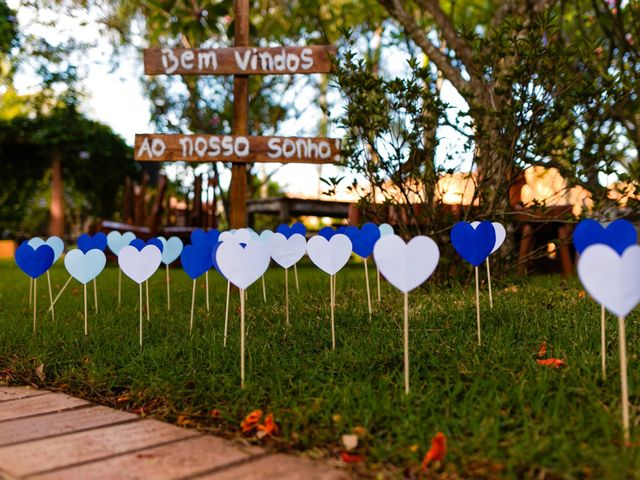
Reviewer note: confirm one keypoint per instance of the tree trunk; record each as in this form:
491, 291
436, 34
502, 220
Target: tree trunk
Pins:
57, 196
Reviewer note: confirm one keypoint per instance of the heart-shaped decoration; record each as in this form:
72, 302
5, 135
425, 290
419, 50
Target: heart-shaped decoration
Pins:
329, 255
406, 265
242, 265
54, 242
196, 259
84, 267
140, 244
613, 280
172, 248
265, 235
242, 235
34, 261
200, 237
363, 239
327, 232
288, 231
116, 241
286, 252
501, 234
619, 235
473, 244
385, 229
86, 242
139, 265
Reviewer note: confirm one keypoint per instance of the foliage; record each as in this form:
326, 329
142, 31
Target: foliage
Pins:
86, 148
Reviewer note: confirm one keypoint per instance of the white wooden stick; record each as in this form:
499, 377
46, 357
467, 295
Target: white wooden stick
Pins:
378, 282
406, 343
333, 299
168, 290
30, 290
603, 341
478, 307
119, 287
295, 271
53, 312
623, 379
206, 282
59, 293
140, 309
193, 301
95, 294
242, 338
366, 275
226, 314
264, 290
35, 301
86, 322
286, 294
489, 282
146, 285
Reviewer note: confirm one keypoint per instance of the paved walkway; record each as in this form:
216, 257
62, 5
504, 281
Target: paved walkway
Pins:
46, 435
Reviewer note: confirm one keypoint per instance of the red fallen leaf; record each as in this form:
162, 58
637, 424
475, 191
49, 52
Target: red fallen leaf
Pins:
551, 362
542, 350
347, 457
437, 451
251, 421
215, 413
269, 427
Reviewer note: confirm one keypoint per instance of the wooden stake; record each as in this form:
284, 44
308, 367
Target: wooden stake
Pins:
295, 272
146, 285
226, 314
242, 338
168, 290
623, 379
193, 301
35, 301
366, 275
140, 309
53, 312
119, 287
603, 341
378, 282
333, 300
478, 307
489, 282
286, 294
264, 290
30, 290
59, 293
95, 294
206, 282
406, 343
86, 321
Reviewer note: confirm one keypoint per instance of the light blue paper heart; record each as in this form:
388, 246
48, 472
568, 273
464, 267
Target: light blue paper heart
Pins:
84, 267
385, 229
172, 248
54, 242
116, 241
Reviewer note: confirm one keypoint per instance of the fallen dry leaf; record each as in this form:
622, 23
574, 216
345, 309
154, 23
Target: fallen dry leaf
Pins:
437, 451
40, 372
347, 457
542, 350
251, 421
268, 428
184, 420
551, 362
215, 413
581, 294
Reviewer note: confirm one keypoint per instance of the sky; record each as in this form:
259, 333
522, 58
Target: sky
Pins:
115, 96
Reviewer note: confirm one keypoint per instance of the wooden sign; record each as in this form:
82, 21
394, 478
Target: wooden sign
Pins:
235, 148
238, 60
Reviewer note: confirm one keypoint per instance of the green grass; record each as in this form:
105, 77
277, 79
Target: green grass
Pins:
501, 412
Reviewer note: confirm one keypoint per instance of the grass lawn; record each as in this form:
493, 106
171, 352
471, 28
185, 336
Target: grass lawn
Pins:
503, 414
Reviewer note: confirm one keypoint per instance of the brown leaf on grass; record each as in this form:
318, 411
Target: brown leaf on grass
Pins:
215, 413
268, 428
251, 422
551, 362
542, 350
581, 294
437, 451
40, 372
184, 420
125, 397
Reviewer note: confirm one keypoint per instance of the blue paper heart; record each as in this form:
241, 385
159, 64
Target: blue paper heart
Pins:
196, 259
619, 235
139, 244
473, 244
86, 242
288, 231
327, 232
362, 241
34, 262
172, 249
84, 267
209, 238
117, 241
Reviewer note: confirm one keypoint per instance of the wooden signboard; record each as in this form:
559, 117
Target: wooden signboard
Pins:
235, 148
238, 60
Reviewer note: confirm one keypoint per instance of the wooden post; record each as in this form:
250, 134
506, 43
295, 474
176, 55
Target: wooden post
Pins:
238, 188
57, 196
196, 212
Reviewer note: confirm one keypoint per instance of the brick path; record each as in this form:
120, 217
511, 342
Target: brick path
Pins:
46, 435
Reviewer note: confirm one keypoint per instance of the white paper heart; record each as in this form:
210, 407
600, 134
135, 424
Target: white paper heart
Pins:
612, 280
406, 265
501, 234
242, 265
139, 265
117, 241
84, 267
242, 235
286, 252
329, 255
